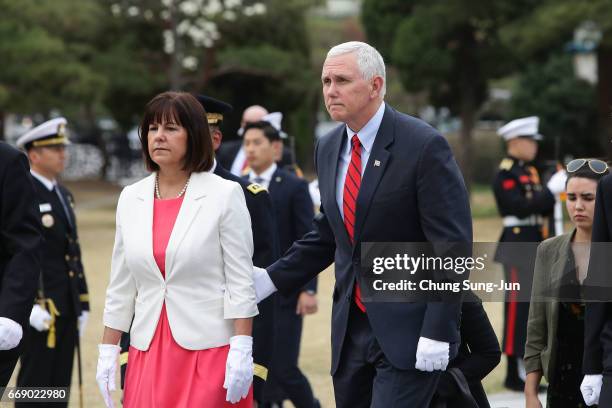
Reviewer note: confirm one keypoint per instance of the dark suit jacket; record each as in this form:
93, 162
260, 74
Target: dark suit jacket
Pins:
63, 278
293, 211
597, 357
20, 237
260, 208
415, 193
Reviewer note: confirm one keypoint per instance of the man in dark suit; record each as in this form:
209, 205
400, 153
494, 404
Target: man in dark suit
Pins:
293, 212
20, 240
61, 309
231, 155
384, 177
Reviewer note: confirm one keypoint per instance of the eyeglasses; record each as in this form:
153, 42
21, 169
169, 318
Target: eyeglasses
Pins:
596, 165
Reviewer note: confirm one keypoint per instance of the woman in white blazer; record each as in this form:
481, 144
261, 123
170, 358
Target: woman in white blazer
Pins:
181, 272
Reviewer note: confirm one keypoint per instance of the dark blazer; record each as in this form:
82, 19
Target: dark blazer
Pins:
293, 210
260, 208
411, 191
597, 357
20, 236
479, 354
63, 278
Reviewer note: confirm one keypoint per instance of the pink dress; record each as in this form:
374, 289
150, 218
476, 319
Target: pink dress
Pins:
168, 375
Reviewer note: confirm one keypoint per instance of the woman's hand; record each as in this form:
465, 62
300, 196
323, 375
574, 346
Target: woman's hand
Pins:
239, 368
106, 371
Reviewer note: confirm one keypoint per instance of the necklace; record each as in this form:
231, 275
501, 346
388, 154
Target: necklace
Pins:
158, 195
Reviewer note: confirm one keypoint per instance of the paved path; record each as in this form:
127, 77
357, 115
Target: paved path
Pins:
511, 400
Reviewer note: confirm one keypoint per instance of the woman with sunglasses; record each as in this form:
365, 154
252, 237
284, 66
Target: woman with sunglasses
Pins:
555, 328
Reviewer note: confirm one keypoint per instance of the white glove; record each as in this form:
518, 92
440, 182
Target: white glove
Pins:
239, 368
106, 371
83, 322
264, 286
431, 355
556, 184
591, 388
10, 333
40, 319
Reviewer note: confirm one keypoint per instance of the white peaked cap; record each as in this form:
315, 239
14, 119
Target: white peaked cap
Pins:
523, 127
51, 132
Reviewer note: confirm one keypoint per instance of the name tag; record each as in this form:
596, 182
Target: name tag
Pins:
46, 207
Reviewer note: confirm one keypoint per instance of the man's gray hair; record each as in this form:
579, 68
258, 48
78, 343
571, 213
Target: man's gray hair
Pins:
369, 60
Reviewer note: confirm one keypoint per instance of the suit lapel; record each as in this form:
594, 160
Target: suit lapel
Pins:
188, 211
143, 221
374, 169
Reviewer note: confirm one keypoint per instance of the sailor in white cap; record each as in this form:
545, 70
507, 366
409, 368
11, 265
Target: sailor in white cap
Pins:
522, 201
60, 311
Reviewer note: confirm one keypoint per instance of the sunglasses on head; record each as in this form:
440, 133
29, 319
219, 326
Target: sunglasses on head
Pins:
597, 166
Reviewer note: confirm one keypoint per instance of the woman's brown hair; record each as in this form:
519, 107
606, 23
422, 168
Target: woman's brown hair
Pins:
182, 109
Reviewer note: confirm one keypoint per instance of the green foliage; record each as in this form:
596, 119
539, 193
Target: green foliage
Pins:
566, 107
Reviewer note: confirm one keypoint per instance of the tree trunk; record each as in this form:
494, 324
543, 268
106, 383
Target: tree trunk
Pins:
468, 118
604, 96
2, 125
177, 54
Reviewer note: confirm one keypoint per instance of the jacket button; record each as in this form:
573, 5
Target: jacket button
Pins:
71, 274
67, 257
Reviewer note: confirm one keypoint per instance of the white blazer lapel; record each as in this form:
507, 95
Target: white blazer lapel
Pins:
184, 220
144, 221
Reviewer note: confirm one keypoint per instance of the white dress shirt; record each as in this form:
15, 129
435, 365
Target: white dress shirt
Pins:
264, 178
366, 136
238, 163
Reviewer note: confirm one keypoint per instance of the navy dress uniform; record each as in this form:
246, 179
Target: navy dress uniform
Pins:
48, 355
293, 212
265, 252
522, 201
20, 241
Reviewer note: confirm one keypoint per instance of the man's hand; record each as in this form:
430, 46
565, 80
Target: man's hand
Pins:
10, 333
431, 355
307, 303
556, 184
264, 286
40, 319
82, 322
591, 388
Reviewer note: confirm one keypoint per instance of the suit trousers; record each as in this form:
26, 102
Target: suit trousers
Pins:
8, 360
287, 380
48, 367
365, 378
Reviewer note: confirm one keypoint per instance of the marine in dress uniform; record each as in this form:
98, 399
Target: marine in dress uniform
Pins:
265, 250
293, 213
61, 308
522, 201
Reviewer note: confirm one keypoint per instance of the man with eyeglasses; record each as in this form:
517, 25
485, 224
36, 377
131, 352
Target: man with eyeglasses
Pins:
522, 201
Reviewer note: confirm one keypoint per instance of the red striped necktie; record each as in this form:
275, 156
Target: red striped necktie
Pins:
349, 201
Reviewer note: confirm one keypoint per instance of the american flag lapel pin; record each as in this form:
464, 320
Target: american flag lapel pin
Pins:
376, 163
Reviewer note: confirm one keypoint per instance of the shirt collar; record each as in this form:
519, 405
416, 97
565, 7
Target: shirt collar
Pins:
266, 174
214, 166
367, 134
49, 184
